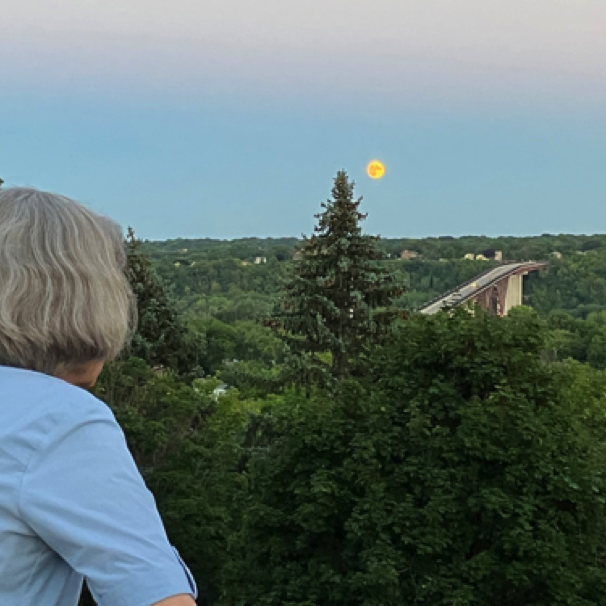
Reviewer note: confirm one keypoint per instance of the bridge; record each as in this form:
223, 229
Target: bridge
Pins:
497, 289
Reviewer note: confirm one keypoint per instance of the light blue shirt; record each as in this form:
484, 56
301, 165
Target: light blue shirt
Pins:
73, 504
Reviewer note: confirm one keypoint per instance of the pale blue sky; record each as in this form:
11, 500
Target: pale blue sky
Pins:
229, 118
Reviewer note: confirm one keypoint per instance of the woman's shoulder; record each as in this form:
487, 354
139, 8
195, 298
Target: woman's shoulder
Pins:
35, 408
36, 390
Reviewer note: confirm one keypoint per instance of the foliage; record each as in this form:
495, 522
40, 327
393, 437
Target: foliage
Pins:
254, 379
226, 344
331, 299
161, 338
187, 446
576, 284
582, 339
464, 471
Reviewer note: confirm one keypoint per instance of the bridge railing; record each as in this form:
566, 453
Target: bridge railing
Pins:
516, 267
454, 290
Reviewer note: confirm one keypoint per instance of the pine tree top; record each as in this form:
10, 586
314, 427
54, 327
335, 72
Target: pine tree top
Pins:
341, 216
330, 307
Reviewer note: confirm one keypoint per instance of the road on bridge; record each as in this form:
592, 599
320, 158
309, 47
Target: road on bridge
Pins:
468, 290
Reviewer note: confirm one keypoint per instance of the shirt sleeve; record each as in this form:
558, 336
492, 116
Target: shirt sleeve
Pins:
84, 496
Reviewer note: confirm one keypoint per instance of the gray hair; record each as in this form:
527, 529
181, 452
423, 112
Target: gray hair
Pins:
64, 297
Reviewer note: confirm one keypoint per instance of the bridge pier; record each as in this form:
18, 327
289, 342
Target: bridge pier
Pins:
513, 296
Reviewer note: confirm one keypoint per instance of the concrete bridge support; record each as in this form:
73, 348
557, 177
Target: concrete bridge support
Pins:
502, 295
513, 295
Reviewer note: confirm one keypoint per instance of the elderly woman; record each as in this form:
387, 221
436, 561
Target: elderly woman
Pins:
73, 505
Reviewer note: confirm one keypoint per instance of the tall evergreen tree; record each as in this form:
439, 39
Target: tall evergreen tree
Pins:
337, 300
161, 338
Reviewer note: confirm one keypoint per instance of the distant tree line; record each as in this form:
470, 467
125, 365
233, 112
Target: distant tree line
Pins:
430, 249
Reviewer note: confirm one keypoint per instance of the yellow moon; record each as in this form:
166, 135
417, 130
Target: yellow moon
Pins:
375, 169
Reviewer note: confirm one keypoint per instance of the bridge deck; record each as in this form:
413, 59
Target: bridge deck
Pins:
470, 289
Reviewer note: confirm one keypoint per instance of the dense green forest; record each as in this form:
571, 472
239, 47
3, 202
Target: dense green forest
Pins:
238, 279
227, 287
310, 440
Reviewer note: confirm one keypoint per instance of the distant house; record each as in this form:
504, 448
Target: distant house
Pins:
245, 263
469, 256
219, 391
556, 254
492, 254
481, 258
407, 255
259, 260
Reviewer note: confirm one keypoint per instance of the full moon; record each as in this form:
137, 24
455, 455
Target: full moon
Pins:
375, 169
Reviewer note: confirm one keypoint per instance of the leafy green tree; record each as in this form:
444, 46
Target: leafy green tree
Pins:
258, 344
336, 301
245, 355
463, 471
187, 446
221, 343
